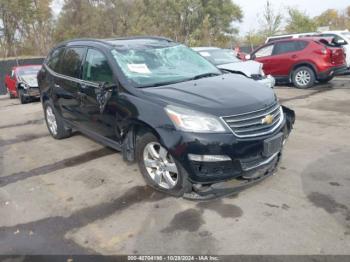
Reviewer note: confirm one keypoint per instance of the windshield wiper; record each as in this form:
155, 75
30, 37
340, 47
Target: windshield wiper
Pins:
205, 75
165, 83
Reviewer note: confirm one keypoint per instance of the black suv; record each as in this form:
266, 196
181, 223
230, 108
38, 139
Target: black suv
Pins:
193, 129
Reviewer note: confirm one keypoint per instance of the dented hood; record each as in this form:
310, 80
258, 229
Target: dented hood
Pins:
247, 67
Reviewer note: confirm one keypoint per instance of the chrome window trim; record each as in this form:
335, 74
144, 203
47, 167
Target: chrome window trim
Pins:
69, 78
257, 134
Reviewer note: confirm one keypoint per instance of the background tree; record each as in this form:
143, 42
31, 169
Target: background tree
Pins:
272, 20
299, 22
27, 25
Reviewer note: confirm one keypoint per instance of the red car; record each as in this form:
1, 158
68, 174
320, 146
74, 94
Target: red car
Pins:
301, 61
22, 82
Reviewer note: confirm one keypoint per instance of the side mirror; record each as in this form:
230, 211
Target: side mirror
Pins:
105, 86
248, 57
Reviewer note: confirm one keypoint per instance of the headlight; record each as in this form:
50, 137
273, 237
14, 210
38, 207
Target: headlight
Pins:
25, 86
192, 121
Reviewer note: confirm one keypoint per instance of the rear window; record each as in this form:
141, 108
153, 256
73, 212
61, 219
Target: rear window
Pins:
286, 47
53, 60
72, 62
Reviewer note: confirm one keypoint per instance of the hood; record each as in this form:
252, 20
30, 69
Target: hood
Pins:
222, 95
247, 67
30, 80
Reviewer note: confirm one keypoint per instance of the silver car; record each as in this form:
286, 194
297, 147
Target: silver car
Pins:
227, 60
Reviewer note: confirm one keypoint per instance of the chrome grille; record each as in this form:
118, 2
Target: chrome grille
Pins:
251, 125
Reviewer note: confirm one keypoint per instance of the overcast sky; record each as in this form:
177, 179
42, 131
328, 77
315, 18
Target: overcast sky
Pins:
252, 9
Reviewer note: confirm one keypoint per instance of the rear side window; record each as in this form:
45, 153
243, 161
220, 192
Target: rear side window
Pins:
96, 68
72, 61
54, 59
286, 47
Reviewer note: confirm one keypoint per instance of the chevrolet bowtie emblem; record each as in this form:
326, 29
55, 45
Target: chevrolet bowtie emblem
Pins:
267, 120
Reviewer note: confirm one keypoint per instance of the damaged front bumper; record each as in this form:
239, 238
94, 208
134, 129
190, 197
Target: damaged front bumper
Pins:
247, 164
233, 186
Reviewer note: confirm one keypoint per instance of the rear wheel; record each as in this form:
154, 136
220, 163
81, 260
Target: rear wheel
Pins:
159, 168
55, 124
303, 77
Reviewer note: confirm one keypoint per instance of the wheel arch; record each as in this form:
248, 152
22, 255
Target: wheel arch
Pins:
135, 128
300, 64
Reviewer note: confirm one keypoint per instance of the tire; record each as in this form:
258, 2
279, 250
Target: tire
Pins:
21, 97
54, 123
325, 80
161, 165
303, 77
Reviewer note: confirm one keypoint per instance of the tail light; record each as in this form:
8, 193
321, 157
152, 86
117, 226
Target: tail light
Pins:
324, 51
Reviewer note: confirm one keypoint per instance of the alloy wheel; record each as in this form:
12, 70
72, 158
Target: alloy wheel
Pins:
160, 165
51, 120
303, 78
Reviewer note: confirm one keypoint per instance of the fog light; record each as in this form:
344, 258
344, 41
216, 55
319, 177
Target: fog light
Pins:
209, 158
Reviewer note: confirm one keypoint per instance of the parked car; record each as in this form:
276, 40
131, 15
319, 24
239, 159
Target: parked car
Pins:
340, 37
301, 61
191, 128
226, 59
22, 82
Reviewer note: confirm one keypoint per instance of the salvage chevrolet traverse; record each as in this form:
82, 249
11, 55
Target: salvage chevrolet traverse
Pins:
192, 129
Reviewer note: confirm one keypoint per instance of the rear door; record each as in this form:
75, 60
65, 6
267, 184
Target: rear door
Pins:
285, 55
67, 85
97, 114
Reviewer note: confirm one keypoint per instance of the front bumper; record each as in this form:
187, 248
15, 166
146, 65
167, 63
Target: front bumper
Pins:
31, 92
232, 186
268, 81
246, 155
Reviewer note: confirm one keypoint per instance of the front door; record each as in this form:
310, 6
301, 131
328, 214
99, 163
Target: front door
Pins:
264, 56
97, 106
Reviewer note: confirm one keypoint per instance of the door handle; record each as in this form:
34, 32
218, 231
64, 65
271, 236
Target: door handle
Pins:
294, 56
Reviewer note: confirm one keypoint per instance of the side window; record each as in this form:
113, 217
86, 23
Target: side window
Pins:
265, 51
12, 75
286, 47
71, 62
54, 59
96, 68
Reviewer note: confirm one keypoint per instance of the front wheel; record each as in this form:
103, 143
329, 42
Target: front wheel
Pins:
159, 168
303, 77
55, 124
21, 97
